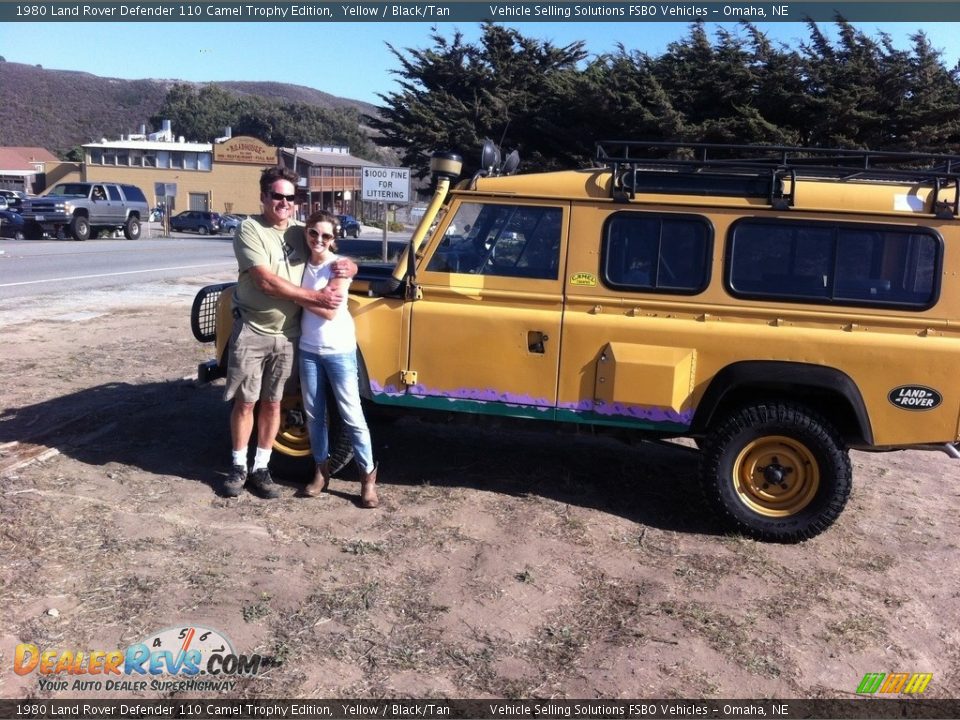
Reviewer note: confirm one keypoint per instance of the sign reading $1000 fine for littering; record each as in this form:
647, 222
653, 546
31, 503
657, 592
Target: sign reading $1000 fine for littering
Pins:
386, 185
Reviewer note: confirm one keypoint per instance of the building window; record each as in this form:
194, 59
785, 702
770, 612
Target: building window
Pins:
190, 161
204, 161
149, 159
163, 159
109, 157
96, 157
176, 160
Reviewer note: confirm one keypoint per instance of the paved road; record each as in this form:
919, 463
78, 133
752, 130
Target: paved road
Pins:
39, 267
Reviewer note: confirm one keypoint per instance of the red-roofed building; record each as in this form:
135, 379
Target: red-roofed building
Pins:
25, 168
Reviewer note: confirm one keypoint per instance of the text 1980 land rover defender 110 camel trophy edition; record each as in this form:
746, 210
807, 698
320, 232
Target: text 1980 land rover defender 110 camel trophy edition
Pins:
778, 305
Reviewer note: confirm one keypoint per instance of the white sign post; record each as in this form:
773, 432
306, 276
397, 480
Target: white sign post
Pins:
386, 185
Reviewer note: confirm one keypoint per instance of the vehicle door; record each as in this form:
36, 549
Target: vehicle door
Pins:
98, 211
116, 210
485, 337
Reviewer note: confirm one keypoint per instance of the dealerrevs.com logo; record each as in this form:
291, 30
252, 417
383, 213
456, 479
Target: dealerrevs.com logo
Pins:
195, 657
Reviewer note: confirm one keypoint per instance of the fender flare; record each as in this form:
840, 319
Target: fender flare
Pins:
793, 377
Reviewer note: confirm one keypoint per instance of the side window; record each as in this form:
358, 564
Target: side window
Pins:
114, 192
824, 262
98, 193
133, 193
502, 240
648, 252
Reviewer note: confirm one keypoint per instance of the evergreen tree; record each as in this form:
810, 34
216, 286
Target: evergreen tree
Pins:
455, 94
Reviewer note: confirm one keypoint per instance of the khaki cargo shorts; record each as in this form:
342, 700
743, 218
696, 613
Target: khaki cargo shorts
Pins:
259, 365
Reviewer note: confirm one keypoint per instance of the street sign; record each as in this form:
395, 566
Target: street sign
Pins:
386, 185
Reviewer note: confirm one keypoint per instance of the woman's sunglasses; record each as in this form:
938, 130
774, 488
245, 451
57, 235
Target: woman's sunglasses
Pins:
314, 233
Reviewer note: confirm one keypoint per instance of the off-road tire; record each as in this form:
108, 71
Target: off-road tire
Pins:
131, 230
292, 456
775, 471
80, 228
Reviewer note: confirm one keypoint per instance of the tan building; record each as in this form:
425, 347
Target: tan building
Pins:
223, 176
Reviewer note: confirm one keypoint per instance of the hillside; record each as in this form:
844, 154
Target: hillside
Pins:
60, 109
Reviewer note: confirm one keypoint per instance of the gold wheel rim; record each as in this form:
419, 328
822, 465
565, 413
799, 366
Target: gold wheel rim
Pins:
776, 476
292, 439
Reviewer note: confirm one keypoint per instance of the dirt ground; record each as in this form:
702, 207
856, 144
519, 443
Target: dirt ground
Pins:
501, 564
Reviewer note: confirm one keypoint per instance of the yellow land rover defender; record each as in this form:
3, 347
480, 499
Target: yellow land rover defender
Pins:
778, 305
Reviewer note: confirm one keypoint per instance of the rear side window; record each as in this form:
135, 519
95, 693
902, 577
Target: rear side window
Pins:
134, 193
648, 252
114, 192
859, 265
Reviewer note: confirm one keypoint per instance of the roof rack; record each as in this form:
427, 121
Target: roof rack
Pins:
761, 170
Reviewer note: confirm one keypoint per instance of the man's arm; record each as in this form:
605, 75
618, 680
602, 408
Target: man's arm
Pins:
339, 284
329, 298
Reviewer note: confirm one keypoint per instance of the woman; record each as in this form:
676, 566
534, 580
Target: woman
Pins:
328, 354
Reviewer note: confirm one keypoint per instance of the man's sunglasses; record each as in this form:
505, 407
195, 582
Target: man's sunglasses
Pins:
281, 196
314, 233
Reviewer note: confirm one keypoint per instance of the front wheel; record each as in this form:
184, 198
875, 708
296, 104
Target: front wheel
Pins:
292, 442
202, 230
776, 472
80, 228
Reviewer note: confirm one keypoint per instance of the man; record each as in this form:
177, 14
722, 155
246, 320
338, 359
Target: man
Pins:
271, 254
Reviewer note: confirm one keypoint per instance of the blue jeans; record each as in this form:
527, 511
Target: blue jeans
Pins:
340, 371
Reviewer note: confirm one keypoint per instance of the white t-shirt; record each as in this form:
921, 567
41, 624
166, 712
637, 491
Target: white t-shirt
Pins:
319, 335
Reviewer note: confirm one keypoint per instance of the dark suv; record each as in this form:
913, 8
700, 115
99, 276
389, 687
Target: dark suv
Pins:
201, 221
349, 226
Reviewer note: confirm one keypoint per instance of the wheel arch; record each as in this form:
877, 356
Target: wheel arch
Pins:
365, 392
829, 391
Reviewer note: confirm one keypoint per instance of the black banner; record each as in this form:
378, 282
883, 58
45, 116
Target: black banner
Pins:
470, 11
399, 709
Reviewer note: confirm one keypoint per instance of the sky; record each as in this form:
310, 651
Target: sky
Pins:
345, 59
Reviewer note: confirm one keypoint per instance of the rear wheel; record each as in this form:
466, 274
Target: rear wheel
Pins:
131, 230
776, 472
202, 229
80, 228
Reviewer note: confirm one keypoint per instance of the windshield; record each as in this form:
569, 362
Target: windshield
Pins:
71, 190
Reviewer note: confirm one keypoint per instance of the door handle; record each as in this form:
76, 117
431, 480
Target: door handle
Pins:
535, 341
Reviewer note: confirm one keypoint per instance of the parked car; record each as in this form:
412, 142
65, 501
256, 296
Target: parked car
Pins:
231, 221
199, 221
14, 199
12, 225
349, 225
731, 299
